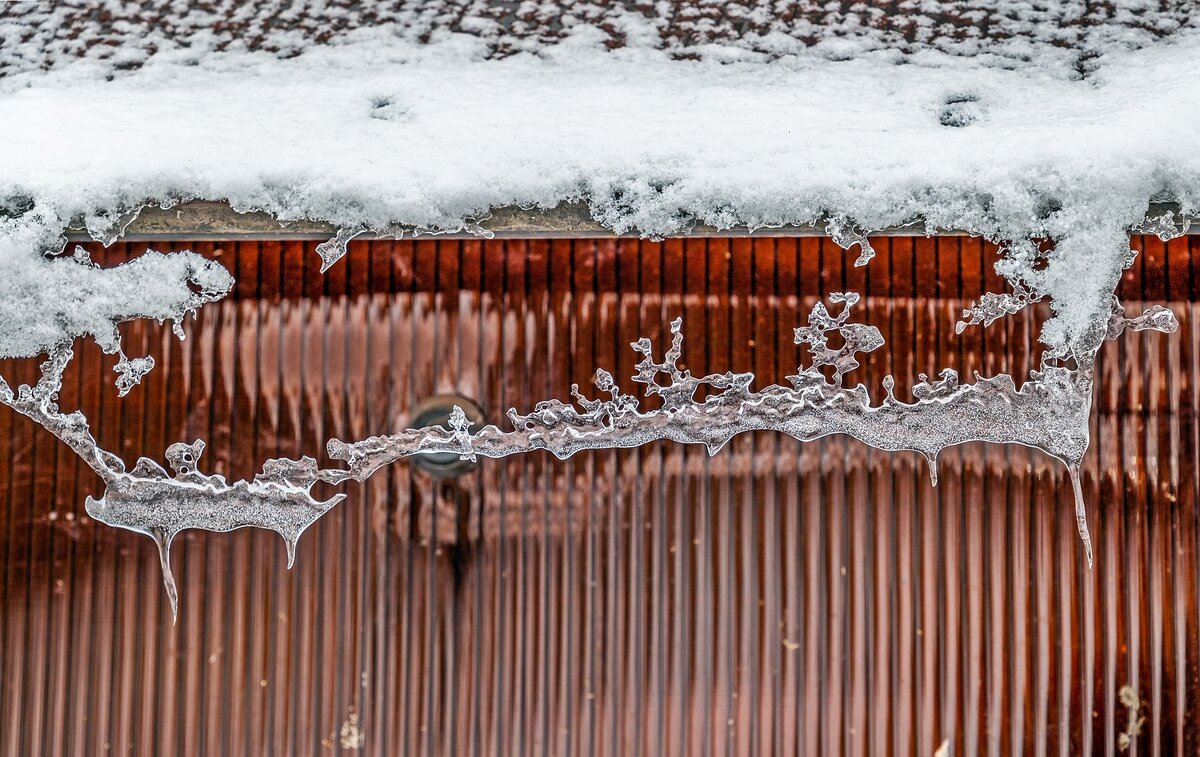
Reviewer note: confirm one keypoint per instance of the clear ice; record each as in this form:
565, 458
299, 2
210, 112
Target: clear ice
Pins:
845, 235
1049, 411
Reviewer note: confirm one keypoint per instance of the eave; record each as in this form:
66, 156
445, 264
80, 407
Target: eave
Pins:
202, 220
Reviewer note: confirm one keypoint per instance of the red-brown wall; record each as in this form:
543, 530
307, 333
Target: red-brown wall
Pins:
778, 598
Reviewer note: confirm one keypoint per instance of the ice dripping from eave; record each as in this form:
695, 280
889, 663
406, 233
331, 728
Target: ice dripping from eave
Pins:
1049, 411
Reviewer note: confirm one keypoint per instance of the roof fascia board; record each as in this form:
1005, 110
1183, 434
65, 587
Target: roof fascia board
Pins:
204, 220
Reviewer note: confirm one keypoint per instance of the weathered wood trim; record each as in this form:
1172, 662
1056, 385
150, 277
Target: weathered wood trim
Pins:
203, 220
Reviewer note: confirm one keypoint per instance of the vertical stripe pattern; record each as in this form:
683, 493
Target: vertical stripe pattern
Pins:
778, 598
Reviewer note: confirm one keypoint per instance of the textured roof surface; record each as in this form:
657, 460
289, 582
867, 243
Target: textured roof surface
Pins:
123, 33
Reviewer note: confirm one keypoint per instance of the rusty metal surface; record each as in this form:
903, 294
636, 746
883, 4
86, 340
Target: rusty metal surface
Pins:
778, 598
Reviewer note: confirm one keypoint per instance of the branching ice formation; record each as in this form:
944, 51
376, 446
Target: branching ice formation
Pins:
1049, 411
48, 301
1049, 126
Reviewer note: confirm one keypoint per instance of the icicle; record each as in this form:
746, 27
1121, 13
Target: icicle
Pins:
149, 501
931, 458
163, 542
333, 250
290, 542
1081, 512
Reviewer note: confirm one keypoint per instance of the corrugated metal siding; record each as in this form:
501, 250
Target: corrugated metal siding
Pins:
778, 598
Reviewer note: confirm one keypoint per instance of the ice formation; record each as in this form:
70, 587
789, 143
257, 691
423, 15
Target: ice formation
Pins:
1044, 124
1050, 411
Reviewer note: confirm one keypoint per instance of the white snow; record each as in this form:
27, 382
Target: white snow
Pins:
46, 303
117, 35
378, 130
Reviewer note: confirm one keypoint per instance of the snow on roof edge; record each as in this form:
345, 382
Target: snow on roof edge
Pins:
209, 220
383, 133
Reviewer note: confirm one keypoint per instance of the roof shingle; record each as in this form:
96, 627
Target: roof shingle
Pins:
122, 34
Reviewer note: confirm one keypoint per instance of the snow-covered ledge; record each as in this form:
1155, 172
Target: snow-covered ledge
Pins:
206, 220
